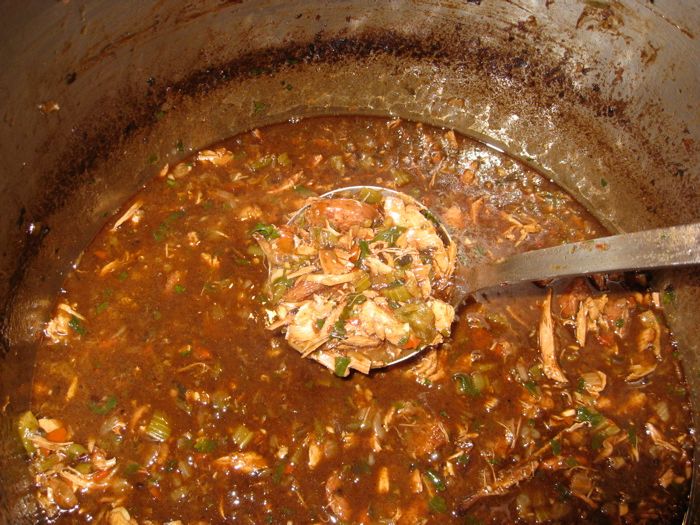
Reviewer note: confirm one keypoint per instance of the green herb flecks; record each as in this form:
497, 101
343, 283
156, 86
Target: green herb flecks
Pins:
77, 325
104, 407
268, 231
341, 366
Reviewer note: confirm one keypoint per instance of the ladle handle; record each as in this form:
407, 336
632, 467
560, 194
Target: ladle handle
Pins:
660, 248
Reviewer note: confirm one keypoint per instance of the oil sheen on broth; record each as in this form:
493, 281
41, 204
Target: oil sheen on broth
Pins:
160, 397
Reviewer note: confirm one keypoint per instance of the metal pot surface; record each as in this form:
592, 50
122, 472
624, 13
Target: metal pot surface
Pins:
600, 95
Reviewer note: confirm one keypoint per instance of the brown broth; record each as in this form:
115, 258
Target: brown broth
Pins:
174, 322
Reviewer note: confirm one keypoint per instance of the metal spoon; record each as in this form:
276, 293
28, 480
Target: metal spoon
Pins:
673, 246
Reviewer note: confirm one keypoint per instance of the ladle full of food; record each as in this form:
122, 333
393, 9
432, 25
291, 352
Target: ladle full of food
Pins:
366, 277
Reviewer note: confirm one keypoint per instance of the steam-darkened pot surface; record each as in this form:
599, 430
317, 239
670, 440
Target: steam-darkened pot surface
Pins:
603, 97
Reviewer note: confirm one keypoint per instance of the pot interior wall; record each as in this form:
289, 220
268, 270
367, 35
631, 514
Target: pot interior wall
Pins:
589, 93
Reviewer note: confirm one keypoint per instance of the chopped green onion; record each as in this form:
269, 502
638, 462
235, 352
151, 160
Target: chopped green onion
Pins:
279, 287
389, 235
341, 366
178, 288
536, 372
158, 428
437, 504
242, 436
105, 407
435, 479
465, 384
268, 231
320, 323
77, 325
338, 331
204, 445
101, 307
556, 447
27, 426
587, 415
262, 162
532, 388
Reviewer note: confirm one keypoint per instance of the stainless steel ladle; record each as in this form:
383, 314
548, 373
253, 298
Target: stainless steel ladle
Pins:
673, 246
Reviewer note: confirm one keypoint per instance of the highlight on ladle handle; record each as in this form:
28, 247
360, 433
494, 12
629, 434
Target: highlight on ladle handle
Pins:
644, 250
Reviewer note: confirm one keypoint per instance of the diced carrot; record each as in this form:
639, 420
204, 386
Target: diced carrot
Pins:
285, 244
58, 435
101, 254
202, 353
155, 491
100, 475
412, 343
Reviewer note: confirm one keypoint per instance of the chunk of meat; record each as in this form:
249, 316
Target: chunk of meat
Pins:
423, 434
650, 335
245, 462
379, 321
547, 345
337, 503
504, 481
120, 516
444, 315
335, 261
301, 290
568, 301
342, 214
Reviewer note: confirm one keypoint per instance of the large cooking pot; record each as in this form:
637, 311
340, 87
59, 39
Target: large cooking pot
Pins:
600, 95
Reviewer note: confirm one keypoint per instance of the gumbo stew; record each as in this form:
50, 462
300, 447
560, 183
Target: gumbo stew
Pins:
161, 396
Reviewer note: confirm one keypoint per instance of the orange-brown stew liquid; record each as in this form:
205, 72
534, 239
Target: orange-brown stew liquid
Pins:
158, 359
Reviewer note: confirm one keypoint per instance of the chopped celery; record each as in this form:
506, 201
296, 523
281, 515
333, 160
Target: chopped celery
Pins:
401, 178
242, 436
420, 318
363, 283
158, 427
283, 159
397, 292
204, 445
369, 195
27, 426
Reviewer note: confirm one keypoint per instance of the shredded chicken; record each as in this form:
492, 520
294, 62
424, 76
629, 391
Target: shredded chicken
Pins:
547, 345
